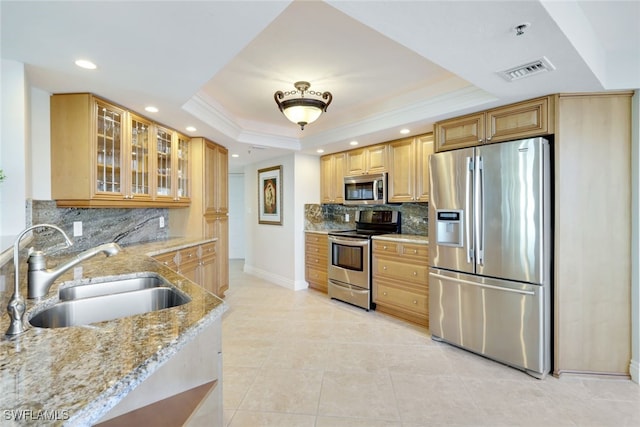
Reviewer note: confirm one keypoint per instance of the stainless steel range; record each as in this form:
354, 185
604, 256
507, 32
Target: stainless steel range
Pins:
350, 256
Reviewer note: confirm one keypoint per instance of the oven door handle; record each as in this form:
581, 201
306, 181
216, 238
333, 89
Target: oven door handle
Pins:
349, 242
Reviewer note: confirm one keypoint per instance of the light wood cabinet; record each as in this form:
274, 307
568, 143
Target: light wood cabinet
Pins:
196, 263
103, 155
408, 179
400, 277
208, 215
592, 246
332, 178
521, 120
367, 160
316, 260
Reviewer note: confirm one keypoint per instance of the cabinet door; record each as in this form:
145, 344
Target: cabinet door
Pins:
377, 159
460, 132
338, 177
139, 159
183, 169
356, 162
164, 184
218, 226
221, 190
522, 120
326, 179
402, 171
109, 141
424, 149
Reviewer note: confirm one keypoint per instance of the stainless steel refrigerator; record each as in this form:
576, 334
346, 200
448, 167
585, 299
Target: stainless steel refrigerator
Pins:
490, 251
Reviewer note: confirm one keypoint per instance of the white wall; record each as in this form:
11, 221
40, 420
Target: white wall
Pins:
13, 148
236, 216
276, 252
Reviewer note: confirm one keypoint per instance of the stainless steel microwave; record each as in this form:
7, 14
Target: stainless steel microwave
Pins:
365, 189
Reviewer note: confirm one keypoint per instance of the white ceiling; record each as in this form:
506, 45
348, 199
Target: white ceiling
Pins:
389, 64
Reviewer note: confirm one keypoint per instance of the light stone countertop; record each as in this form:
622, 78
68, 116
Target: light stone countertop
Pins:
82, 372
404, 238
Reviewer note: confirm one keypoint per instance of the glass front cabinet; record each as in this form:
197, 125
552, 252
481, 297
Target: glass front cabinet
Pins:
131, 161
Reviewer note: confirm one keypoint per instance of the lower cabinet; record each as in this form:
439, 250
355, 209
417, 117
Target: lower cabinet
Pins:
316, 260
197, 263
400, 278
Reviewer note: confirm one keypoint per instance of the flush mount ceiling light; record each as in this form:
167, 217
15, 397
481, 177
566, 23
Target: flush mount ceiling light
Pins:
301, 110
86, 64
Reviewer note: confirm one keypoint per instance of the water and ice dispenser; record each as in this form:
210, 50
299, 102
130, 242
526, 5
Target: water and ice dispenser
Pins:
449, 227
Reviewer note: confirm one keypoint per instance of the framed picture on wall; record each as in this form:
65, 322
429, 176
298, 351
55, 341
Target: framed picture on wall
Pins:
270, 195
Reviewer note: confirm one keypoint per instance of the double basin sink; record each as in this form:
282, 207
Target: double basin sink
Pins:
108, 300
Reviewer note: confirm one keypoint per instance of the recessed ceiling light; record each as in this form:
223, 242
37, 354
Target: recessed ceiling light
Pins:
85, 63
151, 109
320, 150
404, 131
353, 143
235, 156
191, 129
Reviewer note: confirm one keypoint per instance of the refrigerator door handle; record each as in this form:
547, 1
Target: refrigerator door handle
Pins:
467, 209
481, 285
479, 211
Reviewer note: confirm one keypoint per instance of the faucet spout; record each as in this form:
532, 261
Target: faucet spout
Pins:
17, 306
41, 278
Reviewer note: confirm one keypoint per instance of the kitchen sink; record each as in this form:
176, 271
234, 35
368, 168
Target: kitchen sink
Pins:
108, 287
108, 301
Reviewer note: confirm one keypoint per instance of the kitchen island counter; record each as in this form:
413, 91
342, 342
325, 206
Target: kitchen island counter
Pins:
76, 375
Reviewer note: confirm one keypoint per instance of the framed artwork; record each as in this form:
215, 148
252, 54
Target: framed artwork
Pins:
270, 195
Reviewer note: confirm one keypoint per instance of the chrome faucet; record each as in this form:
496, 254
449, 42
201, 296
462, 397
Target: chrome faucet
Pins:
41, 278
16, 306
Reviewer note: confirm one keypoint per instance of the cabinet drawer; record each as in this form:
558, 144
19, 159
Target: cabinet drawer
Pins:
316, 277
188, 254
385, 247
386, 294
316, 250
386, 267
420, 251
207, 249
168, 259
316, 238
318, 260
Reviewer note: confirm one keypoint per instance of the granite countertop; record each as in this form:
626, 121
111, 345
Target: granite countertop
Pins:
82, 372
405, 238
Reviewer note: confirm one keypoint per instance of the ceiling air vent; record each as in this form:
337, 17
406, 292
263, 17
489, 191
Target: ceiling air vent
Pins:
527, 70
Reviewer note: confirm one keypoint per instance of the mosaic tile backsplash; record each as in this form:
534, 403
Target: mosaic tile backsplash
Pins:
414, 216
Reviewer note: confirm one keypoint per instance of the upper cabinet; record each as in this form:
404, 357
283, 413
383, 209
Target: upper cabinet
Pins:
105, 156
408, 179
367, 160
521, 120
332, 178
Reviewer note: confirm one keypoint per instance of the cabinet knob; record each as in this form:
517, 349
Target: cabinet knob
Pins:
415, 273
166, 263
488, 138
384, 267
384, 293
415, 302
415, 251
384, 247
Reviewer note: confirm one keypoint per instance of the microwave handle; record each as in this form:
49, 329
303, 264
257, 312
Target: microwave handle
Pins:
375, 189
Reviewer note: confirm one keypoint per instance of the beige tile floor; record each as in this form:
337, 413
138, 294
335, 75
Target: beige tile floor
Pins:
300, 359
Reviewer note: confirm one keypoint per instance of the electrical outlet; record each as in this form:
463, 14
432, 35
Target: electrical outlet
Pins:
77, 228
161, 222
346, 217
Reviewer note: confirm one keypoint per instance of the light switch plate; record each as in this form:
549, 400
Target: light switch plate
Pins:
161, 222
